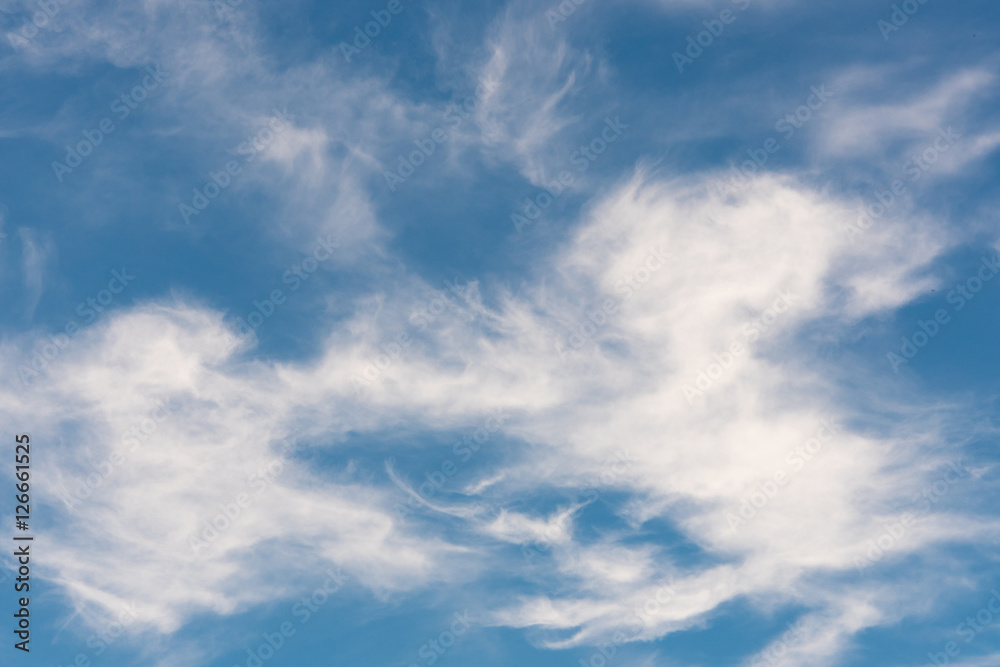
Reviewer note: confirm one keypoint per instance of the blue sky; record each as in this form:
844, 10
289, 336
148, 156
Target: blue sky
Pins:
655, 332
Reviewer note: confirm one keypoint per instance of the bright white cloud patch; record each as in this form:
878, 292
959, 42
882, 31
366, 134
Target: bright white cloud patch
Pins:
647, 366
660, 406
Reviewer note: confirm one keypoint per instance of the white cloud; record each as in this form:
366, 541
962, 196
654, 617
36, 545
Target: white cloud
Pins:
861, 123
37, 252
692, 463
537, 74
687, 272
